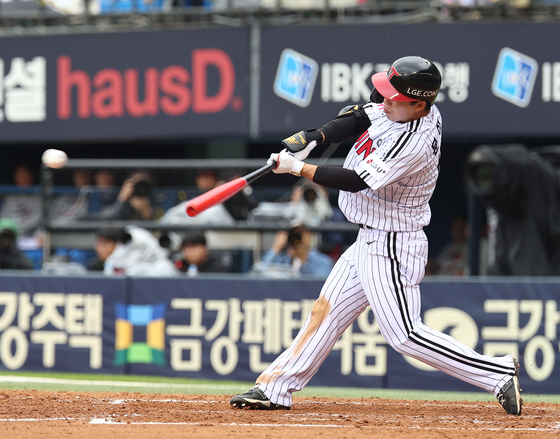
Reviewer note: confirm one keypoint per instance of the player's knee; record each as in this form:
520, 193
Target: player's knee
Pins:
399, 343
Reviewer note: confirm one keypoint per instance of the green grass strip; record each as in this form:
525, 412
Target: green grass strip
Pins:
73, 382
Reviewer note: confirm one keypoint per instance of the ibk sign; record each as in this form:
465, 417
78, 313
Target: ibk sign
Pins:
498, 80
130, 85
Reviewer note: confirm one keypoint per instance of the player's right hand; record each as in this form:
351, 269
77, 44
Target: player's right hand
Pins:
286, 163
302, 143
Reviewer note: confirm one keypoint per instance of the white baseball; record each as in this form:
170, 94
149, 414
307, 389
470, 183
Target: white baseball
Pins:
54, 158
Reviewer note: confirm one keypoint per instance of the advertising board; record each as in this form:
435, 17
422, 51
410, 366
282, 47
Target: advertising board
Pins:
232, 328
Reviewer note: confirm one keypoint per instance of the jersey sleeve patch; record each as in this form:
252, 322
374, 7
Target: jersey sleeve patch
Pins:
372, 167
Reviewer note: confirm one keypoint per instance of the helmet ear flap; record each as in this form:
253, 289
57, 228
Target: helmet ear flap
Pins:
376, 97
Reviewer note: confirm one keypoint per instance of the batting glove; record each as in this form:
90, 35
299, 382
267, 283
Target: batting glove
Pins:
302, 143
286, 163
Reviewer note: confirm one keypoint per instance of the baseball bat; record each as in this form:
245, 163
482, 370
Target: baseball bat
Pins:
223, 192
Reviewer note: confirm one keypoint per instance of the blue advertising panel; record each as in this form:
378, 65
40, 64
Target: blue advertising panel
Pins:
223, 328
499, 79
62, 324
129, 85
495, 317
233, 327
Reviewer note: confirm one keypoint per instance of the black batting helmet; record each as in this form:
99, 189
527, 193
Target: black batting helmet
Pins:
411, 78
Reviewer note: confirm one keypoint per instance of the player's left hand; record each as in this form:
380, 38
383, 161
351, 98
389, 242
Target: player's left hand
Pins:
286, 163
302, 143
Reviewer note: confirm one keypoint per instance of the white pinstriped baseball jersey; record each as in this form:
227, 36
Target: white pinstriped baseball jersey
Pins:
400, 163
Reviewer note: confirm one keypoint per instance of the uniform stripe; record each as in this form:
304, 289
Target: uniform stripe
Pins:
405, 141
438, 348
397, 143
397, 282
400, 144
414, 128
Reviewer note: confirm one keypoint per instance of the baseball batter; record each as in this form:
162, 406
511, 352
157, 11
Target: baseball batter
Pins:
385, 185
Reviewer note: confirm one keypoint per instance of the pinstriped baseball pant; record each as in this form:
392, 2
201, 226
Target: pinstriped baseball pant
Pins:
382, 269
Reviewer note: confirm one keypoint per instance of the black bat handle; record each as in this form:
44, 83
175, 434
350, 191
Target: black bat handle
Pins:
259, 172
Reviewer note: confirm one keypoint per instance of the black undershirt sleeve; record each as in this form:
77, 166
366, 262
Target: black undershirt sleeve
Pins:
339, 178
345, 127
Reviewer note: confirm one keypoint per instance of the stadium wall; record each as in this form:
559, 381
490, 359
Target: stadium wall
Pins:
232, 327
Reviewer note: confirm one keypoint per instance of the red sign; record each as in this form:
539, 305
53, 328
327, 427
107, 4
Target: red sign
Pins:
172, 90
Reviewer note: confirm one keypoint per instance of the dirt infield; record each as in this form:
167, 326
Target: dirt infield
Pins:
33, 414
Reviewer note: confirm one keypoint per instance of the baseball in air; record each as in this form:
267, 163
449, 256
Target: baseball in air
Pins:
54, 158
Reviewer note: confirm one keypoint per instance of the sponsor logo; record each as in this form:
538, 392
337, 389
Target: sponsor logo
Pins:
23, 91
364, 145
145, 322
421, 93
376, 167
296, 139
392, 72
172, 90
295, 78
551, 82
341, 82
514, 77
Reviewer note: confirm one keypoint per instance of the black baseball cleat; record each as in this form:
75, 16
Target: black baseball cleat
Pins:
510, 394
255, 399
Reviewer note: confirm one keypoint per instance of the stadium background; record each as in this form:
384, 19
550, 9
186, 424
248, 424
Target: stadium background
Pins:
249, 121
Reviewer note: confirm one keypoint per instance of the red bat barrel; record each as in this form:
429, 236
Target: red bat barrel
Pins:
222, 193
215, 196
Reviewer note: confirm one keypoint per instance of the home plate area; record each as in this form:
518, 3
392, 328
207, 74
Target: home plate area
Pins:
32, 414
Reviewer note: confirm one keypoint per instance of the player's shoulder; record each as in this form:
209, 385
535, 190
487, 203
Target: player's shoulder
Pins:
435, 114
374, 110
425, 124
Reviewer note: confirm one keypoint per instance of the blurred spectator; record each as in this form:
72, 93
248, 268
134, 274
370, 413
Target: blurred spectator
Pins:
105, 242
206, 179
292, 254
25, 209
299, 4
239, 205
134, 201
215, 215
472, 2
309, 204
242, 203
139, 254
81, 178
73, 7
11, 257
196, 258
23, 176
104, 192
67, 207
453, 260
104, 179
334, 243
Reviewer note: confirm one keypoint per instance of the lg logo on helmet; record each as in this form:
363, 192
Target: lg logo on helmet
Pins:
420, 93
